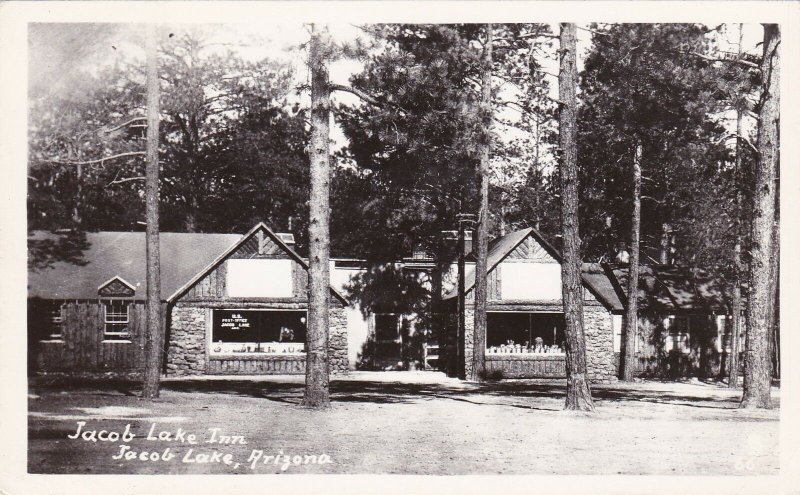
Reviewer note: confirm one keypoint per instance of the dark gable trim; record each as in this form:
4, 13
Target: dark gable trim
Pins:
612, 277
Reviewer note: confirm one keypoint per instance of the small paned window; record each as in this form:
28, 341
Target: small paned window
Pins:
116, 320
678, 336
55, 320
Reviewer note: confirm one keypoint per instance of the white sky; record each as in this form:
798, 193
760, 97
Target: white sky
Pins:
285, 42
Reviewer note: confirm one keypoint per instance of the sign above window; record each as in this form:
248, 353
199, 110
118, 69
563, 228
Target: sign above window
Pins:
259, 278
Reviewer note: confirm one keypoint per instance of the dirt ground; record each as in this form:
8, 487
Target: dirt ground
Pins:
414, 423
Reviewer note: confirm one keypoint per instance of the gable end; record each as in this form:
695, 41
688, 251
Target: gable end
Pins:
116, 287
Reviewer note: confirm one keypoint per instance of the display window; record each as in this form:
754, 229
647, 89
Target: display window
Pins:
524, 333
237, 331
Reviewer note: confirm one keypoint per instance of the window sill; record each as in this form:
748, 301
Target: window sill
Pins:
51, 341
117, 342
258, 356
525, 357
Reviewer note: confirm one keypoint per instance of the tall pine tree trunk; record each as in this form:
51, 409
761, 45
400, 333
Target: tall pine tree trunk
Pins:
631, 323
481, 240
154, 343
459, 364
736, 292
317, 391
736, 303
578, 392
761, 298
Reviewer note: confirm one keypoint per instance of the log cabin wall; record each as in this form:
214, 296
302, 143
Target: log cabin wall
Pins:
82, 346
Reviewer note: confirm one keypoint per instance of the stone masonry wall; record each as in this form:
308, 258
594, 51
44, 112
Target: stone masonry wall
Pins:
186, 354
469, 339
599, 344
337, 341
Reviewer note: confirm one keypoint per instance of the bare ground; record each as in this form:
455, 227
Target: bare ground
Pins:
415, 423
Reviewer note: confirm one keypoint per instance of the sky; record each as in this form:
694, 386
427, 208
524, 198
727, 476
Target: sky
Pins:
59, 53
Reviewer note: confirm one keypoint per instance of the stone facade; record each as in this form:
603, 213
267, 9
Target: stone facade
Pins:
337, 341
600, 360
469, 339
187, 351
599, 335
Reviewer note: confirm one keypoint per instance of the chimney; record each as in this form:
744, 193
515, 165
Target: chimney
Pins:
451, 236
287, 239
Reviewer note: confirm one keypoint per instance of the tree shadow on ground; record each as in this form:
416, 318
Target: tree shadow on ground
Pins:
382, 392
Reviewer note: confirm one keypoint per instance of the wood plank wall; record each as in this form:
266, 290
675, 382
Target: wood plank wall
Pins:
527, 366
83, 348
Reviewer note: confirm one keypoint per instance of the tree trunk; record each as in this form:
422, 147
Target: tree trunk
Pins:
761, 300
578, 392
481, 240
155, 331
775, 316
458, 369
317, 391
736, 303
631, 323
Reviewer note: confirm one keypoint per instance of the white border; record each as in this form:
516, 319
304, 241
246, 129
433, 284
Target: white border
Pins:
13, 57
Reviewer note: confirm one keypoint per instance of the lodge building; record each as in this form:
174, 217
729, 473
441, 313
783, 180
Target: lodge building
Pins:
232, 304
525, 316
237, 304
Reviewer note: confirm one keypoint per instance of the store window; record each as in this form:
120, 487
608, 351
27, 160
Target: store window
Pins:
526, 333
677, 338
258, 331
117, 320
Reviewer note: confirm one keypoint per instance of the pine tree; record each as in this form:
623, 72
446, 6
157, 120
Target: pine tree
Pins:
579, 395
154, 343
761, 295
481, 232
317, 393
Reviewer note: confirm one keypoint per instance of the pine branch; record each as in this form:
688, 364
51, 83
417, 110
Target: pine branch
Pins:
747, 141
99, 160
364, 96
127, 179
733, 61
591, 31
124, 124
361, 94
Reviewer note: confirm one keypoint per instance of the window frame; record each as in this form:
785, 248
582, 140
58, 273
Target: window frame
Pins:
116, 336
223, 353
684, 333
399, 325
55, 322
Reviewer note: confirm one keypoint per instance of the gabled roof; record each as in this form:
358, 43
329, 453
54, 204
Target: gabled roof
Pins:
671, 288
122, 254
594, 279
225, 254
185, 258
